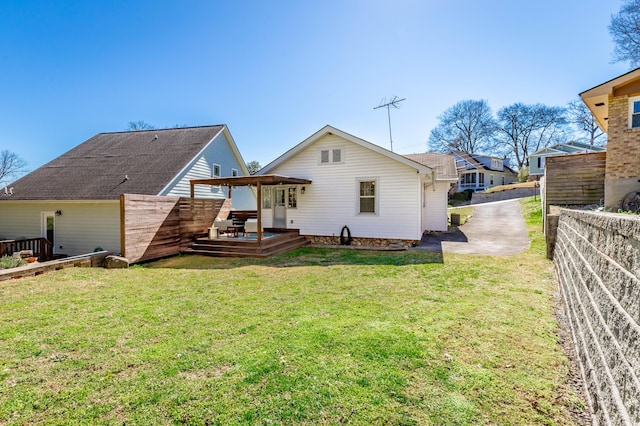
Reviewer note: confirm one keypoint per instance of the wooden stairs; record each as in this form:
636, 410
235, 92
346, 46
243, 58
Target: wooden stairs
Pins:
238, 247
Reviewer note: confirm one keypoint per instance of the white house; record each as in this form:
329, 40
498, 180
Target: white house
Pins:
479, 172
74, 200
375, 193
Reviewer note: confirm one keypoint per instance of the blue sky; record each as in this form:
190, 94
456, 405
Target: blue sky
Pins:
277, 71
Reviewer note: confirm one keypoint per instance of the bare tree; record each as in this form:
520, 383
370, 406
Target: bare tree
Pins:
467, 126
253, 167
139, 125
524, 129
11, 165
583, 120
625, 31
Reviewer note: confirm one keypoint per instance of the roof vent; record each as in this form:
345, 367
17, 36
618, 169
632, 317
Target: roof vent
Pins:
600, 104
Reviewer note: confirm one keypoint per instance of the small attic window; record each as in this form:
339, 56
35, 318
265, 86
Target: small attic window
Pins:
333, 155
215, 172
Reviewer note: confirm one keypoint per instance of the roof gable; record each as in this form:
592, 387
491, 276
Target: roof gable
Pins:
547, 150
326, 130
568, 148
470, 162
473, 163
110, 164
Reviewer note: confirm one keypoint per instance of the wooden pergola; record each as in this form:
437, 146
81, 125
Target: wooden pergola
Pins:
257, 181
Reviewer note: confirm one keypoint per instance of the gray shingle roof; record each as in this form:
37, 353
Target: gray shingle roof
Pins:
444, 165
472, 161
96, 169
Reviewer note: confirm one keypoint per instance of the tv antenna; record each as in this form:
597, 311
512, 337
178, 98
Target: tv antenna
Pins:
393, 102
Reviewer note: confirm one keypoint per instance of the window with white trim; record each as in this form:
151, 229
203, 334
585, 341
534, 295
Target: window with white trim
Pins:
292, 198
367, 191
634, 112
215, 170
336, 155
266, 198
324, 156
234, 172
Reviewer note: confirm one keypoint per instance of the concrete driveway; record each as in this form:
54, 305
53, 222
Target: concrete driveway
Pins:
495, 229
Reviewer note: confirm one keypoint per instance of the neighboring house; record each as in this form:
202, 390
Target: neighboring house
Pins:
616, 107
537, 159
479, 172
376, 193
74, 200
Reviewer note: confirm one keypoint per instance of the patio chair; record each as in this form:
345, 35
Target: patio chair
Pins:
250, 227
219, 225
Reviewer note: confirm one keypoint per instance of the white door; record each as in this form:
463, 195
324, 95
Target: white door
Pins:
47, 226
279, 208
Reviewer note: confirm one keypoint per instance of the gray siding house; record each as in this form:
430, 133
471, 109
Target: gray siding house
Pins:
538, 158
74, 200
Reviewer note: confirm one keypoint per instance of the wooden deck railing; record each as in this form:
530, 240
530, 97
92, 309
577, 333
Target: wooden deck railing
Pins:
41, 247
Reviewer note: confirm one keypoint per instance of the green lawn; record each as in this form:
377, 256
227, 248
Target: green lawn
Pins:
310, 337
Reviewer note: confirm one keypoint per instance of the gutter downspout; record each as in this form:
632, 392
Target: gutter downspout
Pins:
433, 180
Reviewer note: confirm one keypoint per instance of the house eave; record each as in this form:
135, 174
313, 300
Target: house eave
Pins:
597, 98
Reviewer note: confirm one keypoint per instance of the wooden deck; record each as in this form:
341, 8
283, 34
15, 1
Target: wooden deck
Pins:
41, 247
282, 241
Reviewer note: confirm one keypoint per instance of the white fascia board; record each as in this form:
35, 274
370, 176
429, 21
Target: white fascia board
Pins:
547, 150
448, 180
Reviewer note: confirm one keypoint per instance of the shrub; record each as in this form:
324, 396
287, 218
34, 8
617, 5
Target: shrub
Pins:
523, 174
7, 262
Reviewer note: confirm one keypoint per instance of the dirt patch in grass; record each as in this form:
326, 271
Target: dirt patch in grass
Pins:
501, 188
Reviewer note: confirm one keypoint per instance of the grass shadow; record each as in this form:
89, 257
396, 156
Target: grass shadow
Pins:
432, 241
305, 256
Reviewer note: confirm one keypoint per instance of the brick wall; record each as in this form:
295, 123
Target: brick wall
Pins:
623, 146
597, 260
623, 153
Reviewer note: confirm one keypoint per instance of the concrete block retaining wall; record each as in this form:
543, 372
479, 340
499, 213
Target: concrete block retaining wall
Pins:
597, 261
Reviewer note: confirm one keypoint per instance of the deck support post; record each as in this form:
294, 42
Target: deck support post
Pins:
259, 208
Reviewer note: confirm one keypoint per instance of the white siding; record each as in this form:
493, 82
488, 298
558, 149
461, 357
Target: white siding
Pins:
330, 201
81, 228
434, 210
217, 152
